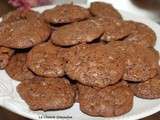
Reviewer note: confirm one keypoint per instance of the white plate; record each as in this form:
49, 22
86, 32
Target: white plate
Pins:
10, 99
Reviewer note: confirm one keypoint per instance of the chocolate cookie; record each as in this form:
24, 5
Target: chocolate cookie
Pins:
45, 60
142, 35
23, 33
110, 101
47, 94
75, 33
141, 63
115, 29
94, 65
121, 46
5, 55
149, 89
17, 68
19, 15
102, 9
65, 13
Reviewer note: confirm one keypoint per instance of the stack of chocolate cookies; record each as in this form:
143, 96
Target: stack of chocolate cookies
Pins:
70, 54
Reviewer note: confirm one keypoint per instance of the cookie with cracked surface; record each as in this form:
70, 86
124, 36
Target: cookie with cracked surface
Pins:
102, 9
19, 15
45, 60
143, 35
75, 33
66, 13
149, 89
17, 68
115, 29
47, 94
94, 65
141, 63
110, 101
23, 33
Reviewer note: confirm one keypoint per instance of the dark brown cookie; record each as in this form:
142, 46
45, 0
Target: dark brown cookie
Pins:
94, 65
149, 89
65, 13
17, 68
23, 33
142, 35
75, 33
45, 60
141, 63
5, 55
102, 9
110, 101
20, 14
47, 94
115, 29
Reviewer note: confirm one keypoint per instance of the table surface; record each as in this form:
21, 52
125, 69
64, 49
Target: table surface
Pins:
7, 115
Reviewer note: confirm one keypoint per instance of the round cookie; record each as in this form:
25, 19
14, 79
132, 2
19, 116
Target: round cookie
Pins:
141, 63
47, 94
110, 101
5, 55
65, 13
115, 29
17, 68
45, 60
142, 35
94, 65
102, 9
149, 89
19, 15
23, 33
78, 32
